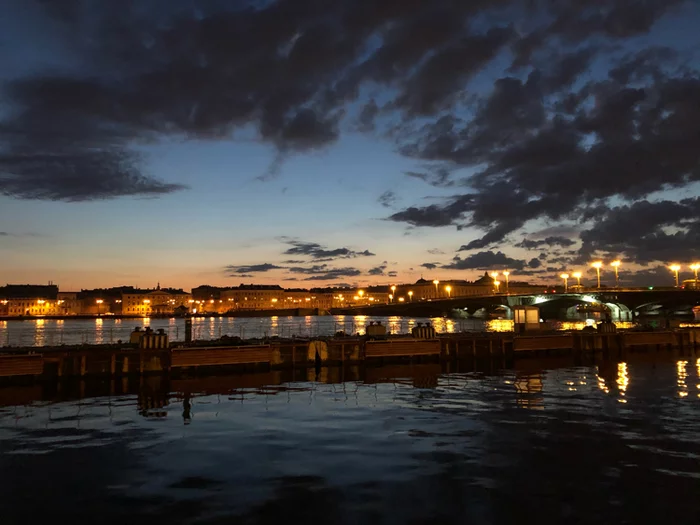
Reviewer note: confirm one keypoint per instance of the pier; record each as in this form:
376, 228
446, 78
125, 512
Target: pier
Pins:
177, 359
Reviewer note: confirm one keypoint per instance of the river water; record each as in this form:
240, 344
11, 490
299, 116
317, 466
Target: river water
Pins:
540, 441
50, 332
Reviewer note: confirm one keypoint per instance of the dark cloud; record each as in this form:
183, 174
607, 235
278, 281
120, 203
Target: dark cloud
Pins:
534, 162
318, 252
387, 199
485, 261
322, 272
392, 274
291, 69
436, 251
438, 176
378, 270
237, 271
430, 266
645, 231
533, 244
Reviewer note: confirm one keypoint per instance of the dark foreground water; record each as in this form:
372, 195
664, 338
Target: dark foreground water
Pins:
540, 442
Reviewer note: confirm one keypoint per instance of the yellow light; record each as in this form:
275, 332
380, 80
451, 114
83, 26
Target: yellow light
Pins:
577, 275
357, 298
361, 293
191, 301
99, 301
615, 263
401, 299
410, 293
436, 282
675, 267
274, 300
564, 276
448, 288
506, 273
695, 267
597, 264
391, 297
393, 288
41, 301
146, 301
494, 274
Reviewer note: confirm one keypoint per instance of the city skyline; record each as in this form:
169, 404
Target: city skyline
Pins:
351, 143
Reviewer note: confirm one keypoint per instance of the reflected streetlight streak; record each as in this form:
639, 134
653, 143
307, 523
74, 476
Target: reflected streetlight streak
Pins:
616, 264
623, 380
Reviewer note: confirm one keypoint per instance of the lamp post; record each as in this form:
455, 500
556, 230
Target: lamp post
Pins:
391, 298
616, 265
506, 273
436, 283
493, 276
393, 292
410, 296
565, 276
577, 276
99, 306
361, 293
695, 267
597, 265
497, 284
675, 268
448, 289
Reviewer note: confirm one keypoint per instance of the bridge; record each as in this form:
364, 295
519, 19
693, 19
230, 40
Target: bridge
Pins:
620, 304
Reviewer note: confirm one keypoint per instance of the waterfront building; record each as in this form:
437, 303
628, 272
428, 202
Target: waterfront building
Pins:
155, 302
272, 297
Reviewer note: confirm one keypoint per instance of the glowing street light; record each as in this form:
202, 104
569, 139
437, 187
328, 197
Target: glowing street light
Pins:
448, 289
361, 293
597, 265
410, 296
436, 283
391, 298
565, 276
675, 268
506, 273
577, 276
616, 265
497, 284
695, 267
393, 289
401, 299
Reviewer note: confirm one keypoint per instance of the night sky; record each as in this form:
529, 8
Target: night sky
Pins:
319, 142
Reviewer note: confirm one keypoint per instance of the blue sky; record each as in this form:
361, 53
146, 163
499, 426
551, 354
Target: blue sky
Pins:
327, 191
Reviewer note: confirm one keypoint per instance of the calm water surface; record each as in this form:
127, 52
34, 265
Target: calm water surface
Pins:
539, 442
42, 332
49, 332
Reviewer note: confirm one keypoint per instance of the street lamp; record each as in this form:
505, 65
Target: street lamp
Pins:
695, 267
675, 268
506, 273
577, 276
448, 289
565, 276
410, 296
598, 265
391, 298
616, 265
436, 282
493, 276
393, 289
361, 293
99, 305
497, 284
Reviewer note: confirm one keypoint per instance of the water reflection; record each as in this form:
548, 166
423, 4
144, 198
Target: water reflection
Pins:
395, 444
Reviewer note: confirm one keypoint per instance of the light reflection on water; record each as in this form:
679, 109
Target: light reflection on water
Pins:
47, 332
538, 442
